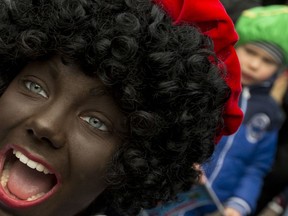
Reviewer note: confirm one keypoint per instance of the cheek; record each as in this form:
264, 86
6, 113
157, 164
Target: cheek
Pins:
8, 110
91, 163
90, 158
268, 71
89, 173
242, 58
12, 109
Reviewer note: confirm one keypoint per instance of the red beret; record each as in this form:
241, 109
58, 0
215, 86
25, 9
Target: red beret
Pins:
212, 19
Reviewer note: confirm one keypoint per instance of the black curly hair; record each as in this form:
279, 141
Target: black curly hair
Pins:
164, 77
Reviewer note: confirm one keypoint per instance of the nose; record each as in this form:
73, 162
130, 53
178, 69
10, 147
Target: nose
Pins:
255, 63
46, 126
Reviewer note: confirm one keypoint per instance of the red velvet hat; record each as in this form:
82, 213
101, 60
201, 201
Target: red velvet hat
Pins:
212, 19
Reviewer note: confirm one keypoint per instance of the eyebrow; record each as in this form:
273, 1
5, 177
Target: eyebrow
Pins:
99, 91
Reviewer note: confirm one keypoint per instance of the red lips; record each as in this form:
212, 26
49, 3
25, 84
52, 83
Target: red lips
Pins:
25, 179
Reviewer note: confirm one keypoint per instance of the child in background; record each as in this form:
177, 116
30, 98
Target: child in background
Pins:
274, 195
106, 106
241, 161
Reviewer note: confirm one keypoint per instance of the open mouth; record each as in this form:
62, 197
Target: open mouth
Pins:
24, 180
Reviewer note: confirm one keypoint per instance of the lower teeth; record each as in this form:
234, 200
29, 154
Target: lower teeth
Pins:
5, 175
34, 197
4, 181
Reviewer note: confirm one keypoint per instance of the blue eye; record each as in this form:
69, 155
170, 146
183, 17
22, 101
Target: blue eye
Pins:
95, 122
35, 88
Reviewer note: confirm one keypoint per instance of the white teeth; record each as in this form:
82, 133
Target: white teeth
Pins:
5, 176
35, 197
40, 167
23, 159
30, 163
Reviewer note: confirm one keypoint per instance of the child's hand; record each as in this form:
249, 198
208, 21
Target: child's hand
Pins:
231, 212
202, 178
228, 212
214, 214
268, 212
280, 87
273, 208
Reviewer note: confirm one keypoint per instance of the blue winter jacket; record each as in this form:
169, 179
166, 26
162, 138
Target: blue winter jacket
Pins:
240, 161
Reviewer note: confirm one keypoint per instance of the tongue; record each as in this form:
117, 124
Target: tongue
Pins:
25, 182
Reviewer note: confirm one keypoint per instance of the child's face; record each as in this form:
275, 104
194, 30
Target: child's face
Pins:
53, 116
257, 65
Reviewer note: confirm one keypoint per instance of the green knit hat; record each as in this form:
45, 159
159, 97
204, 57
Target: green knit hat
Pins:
266, 24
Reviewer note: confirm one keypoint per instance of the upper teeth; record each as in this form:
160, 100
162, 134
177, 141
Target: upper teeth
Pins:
30, 163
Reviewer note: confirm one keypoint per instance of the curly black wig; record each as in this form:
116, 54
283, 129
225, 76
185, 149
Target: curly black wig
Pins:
164, 78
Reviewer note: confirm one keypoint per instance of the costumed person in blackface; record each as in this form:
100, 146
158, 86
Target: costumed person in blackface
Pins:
241, 161
106, 106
